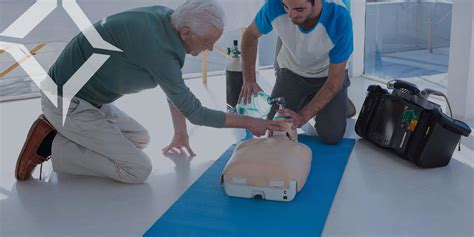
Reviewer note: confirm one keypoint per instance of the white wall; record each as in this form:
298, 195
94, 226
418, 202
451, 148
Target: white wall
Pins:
461, 62
358, 9
239, 14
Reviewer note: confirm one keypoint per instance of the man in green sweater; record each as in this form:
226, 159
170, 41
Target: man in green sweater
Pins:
97, 138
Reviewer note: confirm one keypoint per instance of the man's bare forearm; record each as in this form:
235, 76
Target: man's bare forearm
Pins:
319, 101
327, 92
249, 54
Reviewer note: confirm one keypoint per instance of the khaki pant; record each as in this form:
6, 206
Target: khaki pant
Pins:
103, 142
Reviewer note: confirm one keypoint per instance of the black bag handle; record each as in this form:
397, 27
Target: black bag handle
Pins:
403, 86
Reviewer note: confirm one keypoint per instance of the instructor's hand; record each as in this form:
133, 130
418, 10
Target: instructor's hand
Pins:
248, 89
297, 119
179, 144
258, 127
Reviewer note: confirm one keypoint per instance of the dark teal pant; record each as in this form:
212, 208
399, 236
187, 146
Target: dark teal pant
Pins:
298, 92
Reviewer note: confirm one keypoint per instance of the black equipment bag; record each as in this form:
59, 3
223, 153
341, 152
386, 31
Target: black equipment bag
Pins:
413, 128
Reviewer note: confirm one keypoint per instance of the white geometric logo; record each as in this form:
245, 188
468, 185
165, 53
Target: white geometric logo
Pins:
23, 25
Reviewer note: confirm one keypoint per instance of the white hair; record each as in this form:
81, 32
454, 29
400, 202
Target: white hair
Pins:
199, 15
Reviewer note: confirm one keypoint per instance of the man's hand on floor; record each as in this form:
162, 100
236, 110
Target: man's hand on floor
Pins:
180, 143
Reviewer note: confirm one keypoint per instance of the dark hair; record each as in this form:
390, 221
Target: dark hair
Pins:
310, 1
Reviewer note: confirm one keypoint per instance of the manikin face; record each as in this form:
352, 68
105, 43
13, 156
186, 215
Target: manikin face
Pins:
195, 44
298, 10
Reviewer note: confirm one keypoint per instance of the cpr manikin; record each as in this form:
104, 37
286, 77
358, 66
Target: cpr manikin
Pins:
273, 168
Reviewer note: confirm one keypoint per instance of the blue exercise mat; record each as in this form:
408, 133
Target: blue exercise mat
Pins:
205, 210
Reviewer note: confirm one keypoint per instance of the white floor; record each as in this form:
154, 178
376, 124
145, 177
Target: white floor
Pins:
379, 195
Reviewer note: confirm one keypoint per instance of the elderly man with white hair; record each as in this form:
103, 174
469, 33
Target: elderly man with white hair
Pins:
97, 138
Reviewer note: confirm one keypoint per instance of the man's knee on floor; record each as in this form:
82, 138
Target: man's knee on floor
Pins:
135, 178
331, 136
141, 139
134, 175
144, 140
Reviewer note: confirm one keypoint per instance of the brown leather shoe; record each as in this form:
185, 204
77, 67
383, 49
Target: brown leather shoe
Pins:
29, 159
